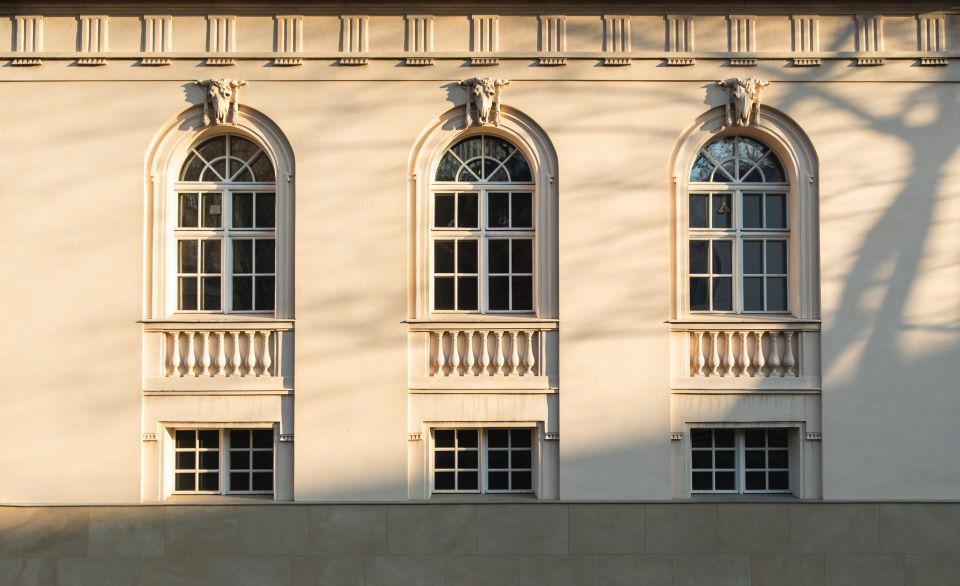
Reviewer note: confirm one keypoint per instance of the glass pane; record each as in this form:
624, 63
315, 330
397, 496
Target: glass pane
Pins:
443, 438
755, 438
467, 480
239, 438
722, 257
499, 174
443, 481
521, 207
216, 171
443, 256
443, 459
186, 438
213, 148
777, 438
467, 293
188, 294
209, 481
186, 481
720, 149
240, 482
242, 173
499, 251
725, 481
702, 481
242, 148
725, 172
756, 480
777, 459
776, 257
701, 438
751, 176
723, 438
776, 294
475, 171
498, 210
497, 148
498, 481
772, 171
240, 460
701, 459
467, 459
212, 210
779, 481
723, 459
262, 481
521, 438
499, 293
188, 256
242, 293
209, 460
468, 148
265, 259
498, 438
264, 291
191, 171
443, 293
753, 293
698, 256
263, 169
522, 293
776, 211
518, 168
209, 438
721, 210
752, 210
522, 256
211, 293
753, 257
467, 212
702, 169
749, 149
467, 256
699, 289
467, 438
189, 210
698, 210
266, 210
186, 460
263, 460
443, 205
447, 170
521, 480
755, 459
242, 256
242, 210
520, 459
263, 438
211, 256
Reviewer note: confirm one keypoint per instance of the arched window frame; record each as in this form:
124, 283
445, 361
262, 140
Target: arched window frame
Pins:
799, 161
170, 150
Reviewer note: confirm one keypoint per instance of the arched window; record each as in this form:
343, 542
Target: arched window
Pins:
483, 229
225, 230
738, 229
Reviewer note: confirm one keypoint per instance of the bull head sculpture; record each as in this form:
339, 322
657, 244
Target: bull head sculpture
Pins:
221, 99
743, 100
483, 94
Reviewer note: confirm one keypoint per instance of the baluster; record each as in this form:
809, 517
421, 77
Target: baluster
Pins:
470, 360
759, 357
439, 360
484, 356
266, 361
789, 362
205, 356
455, 353
701, 355
221, 355
715, 354
498, 356
744, 356
175, 356
514, 353
774, 354
529, 360
235, 359
251, 359
191, 357
730, 360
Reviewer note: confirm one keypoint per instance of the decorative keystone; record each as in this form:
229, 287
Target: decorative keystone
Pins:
483, 93
222, 98
743, 100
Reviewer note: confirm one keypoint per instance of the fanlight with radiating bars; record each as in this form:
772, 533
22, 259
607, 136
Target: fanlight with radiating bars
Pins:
737, 159
230, 159
484, 158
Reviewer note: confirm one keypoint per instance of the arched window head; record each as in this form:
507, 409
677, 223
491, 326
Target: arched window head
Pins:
737, 159
484, 158
228, 158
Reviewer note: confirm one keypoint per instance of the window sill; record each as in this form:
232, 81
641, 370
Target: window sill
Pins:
740, 498
217, 321
484, 498
732, 321
219, 499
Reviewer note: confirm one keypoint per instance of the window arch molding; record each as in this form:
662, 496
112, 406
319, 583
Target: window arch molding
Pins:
168, 151
533, 143
800, 164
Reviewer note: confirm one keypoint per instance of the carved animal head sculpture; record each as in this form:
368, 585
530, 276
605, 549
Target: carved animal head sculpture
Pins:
221, 98
484, 93
743, 100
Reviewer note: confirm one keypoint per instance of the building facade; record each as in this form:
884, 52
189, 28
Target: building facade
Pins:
553, 252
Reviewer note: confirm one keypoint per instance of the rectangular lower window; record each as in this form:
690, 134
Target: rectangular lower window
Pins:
223, 461
747, 461
472, 460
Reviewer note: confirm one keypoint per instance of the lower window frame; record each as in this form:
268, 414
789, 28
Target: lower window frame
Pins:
224, 469
483, 468
794, 460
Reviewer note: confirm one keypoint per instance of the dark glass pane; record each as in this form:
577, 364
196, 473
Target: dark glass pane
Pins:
753, 293
443, 293
212, 210
263, 438
209, 438
497, 148
264, 287
776, 213
777, 459
242, 210
209, 460
753, 176
699, 288
465, 175
215, 171
725, 480
756, 480
242, 256
518, 168
241, 173
443, 438
240, 482
467, 459
776, 257
498, 481
779, 481
188, 294
723, 438
262, 481
499, 174
520, 438
468, 148
722, 294
723, 459
521, 480
701, 459
522, 256
477, 171
443, 459
752, 210
725, 172
520, 459
265, 259
498, 210
242, 293
772, 170
721, 210
698, 256
755, 438
191, 171
498, 438
776, 294
186, 481
722, 257
186, 460
240, 460
263, 460
239, 438
186, 438
242, 148
211, 293
521, 209
266, 210
499, 261
702, 169
189, 210
753, 257
447, 170
443, 481
698, 210
263, 169
467, 293
209, 481
213, 148
187, 255
777, 438
755, 459
701, 438
749, 149
467, 480
522, 293
443, 206
467, 438
443, 256
499, 293
467, 216
467, 256
702, 481
211, 256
